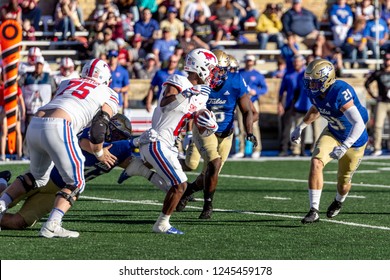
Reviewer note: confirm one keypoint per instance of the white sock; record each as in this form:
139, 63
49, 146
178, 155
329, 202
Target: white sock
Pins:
341, 198
163, 221
6, 198
55, 215
315, 196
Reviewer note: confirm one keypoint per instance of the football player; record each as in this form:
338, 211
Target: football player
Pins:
228, 89
234, 66
29, 66
40, 201
179, 99
344, 138
67, 71
52, 139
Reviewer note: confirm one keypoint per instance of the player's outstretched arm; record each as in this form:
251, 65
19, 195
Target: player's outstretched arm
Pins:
311, 116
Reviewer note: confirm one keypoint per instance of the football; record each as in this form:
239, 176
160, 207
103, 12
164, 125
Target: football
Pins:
202, 130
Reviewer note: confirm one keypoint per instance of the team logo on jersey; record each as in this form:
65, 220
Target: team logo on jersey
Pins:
226, 93
216, 101
323, 111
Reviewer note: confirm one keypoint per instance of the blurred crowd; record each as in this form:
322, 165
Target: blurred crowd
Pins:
141, 39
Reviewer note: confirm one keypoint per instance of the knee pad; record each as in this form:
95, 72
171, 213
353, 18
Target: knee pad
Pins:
70, 197
28, 187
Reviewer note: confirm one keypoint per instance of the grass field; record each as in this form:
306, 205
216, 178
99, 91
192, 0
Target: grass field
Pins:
258, 204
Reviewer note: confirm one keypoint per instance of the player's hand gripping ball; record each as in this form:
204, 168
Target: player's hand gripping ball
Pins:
205, 122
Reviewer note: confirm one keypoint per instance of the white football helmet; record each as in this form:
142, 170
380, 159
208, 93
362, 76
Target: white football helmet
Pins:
32, 55
202, 62
66, 66
97, 70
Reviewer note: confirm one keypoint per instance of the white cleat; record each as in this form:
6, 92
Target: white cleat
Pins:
256, 155
53, 229
238, 155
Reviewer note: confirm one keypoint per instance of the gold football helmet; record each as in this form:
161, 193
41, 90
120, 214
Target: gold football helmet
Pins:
220, 72
222, 57
234, 65
319, 76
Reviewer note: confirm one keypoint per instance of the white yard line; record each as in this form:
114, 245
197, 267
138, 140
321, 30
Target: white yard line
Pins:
292, 180
277, 198
149, 202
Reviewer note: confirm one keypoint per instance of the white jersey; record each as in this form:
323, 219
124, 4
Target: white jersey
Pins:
25, 67
58, 78
169, 124
81, 99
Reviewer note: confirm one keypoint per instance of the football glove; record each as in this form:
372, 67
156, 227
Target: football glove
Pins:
295, 136
250, 137
339, 151
148, 136
187, 140
209, 122
195, 90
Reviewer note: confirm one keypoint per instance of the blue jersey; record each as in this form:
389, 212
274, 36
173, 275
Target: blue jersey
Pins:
93, 167
224, 100
329, 107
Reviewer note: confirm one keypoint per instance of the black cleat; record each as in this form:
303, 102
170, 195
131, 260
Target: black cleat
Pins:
311, 217
6, 175
206, 213
182, 203
334, 209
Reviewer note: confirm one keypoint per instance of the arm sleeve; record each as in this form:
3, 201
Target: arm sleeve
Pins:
358, 126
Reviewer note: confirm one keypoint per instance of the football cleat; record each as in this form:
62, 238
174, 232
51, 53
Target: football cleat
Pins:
171, 230
6, 175
334, 209
183, 203
53, 229
123, 177
311, 217
206, 213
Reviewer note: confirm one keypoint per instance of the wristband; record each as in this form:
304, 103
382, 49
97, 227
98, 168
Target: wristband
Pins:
99, 153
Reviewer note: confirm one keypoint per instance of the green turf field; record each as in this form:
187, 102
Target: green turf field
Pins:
258, 204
